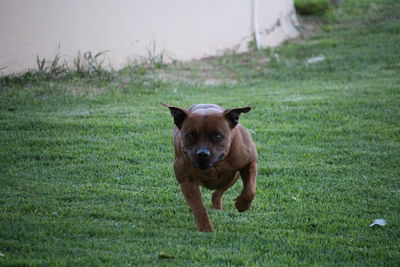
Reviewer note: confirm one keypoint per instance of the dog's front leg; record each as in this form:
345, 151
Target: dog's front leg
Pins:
192, 194
248, 174
217, 195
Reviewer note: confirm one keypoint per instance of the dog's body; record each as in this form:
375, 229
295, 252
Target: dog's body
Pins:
211, 150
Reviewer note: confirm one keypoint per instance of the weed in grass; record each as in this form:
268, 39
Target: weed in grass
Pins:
154, 58
51, 70
89, 66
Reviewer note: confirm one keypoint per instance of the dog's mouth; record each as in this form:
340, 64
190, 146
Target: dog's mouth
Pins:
205, 164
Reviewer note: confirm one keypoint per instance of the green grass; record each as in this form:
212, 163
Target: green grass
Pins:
312, 7
86, 164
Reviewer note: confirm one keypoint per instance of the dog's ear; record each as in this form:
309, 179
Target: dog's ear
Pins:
179, 114
232, 115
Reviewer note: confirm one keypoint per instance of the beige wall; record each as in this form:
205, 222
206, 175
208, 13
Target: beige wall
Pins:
127, 29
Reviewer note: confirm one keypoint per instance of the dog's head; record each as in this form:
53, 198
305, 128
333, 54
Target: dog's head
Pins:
206, 132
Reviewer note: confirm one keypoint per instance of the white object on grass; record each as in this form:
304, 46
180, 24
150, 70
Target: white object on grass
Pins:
380, 222
317, 59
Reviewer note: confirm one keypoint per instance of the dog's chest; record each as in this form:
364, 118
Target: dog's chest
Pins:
215, 179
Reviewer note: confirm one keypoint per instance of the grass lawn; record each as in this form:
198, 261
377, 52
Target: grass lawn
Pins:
86, 173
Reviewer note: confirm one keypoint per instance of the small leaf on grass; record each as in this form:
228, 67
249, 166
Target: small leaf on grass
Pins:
164, 255
380, 222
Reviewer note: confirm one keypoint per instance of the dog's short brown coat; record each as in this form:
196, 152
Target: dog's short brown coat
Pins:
212, 149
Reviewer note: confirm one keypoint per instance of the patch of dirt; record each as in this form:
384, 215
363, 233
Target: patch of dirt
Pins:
199, 72
308, 28
213, 71
86, 90
225, 69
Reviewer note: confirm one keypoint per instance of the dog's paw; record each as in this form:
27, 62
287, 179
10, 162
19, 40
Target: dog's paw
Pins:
243, 203
205, 228
217, 205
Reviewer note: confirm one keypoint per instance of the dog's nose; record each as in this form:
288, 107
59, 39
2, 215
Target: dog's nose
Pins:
203, 153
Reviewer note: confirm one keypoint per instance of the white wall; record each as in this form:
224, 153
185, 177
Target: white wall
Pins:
127, 29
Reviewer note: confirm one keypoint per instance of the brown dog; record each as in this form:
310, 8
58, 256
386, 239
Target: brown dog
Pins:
211, 150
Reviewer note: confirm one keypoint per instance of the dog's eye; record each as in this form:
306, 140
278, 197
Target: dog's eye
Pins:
217, 137
191, 136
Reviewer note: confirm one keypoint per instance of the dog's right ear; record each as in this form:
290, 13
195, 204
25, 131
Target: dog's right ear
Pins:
179, 114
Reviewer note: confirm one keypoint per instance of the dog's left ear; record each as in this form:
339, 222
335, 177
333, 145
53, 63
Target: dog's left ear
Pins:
179, 114
232, 115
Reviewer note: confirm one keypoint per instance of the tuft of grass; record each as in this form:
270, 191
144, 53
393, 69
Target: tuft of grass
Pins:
86, 164
154, 58
312, 7
90, 66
